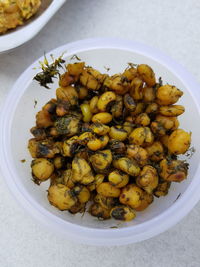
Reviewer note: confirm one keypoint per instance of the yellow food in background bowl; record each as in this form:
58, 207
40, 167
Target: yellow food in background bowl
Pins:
14, 12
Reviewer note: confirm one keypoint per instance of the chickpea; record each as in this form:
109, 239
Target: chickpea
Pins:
173, 170
108, 190
152, 108
137, 153
85, 137
118, 133
81, 171
87, 114
136, 89
130, 73
93, 104
42, 168
59, 196
58, 146
66, 79
179, 142
162, 189
117, 147
43, 119
38, 133
50, 106
171, 111
142, 119
68, 93
105, 100
141, 136
98, 179
164, 140
104, 140
128, 127
162, 124
147, 74
129, 102
168, 95
118, 178
68, 125
122, 213
148, 94
59, 162
82, 92
91, 78
103, 117
33, 147
99, 128
82, 193
85, 127
155, 151
148, 179
69, 146
67, 178
147, 199
55, 178
76, 69
127, 165
167, 122
94, 144
117, 107
105, 202
101, 160
117, 83
130, 119
63, 108
43, 148
140, 106
78, 207
131, 195
98, 211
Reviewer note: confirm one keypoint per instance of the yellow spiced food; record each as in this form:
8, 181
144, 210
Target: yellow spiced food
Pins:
14, 12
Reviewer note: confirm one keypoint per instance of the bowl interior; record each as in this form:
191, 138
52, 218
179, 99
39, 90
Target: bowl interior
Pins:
24, 119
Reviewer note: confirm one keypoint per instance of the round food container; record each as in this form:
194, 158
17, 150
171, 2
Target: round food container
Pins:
18, 115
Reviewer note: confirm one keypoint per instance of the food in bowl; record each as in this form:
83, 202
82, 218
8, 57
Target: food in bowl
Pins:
14, 12
110, 142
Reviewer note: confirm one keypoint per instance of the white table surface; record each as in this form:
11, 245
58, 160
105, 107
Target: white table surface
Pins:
173, 27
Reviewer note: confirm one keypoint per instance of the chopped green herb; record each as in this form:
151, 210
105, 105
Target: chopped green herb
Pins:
107, 69
160, 81
132, 65
190, 152
177, 197
35, 103
75, 57
49, 71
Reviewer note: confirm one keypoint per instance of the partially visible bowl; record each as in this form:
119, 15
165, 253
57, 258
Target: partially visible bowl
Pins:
18, 116
23, 34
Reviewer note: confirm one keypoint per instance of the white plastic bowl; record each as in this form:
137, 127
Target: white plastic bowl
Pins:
18, 116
